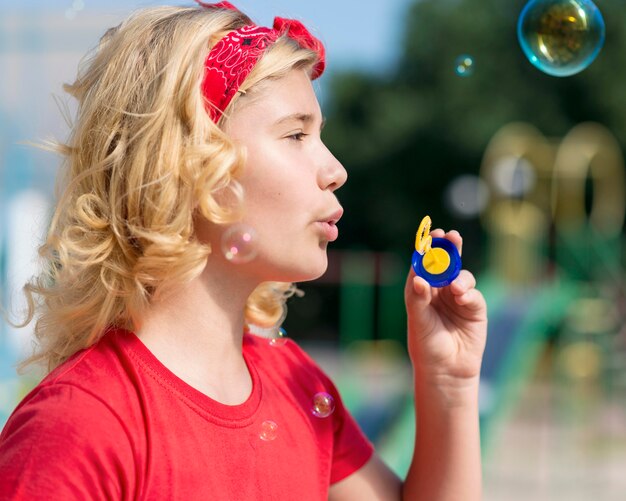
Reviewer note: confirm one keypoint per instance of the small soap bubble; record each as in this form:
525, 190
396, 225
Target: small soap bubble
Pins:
513, 176
323, 404
464, 65
78, 5
280, 339
269, 431
239, 244
561, 37
467, 196
70, 14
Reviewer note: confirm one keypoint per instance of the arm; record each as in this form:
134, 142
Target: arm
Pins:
446, 337
446, 463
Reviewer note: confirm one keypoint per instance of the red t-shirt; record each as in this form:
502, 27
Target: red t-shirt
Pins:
114, 423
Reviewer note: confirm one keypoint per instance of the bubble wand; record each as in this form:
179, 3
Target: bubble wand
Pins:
436, 260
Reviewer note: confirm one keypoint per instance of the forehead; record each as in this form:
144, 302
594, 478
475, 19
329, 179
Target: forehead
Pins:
279, 101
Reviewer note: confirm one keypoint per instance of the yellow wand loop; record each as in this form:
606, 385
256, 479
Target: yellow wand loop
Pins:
423, 240
436, 260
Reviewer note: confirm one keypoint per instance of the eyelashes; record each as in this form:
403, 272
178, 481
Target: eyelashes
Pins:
298, 136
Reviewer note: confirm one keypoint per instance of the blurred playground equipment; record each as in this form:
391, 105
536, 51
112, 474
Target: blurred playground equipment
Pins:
555, 282
554, 285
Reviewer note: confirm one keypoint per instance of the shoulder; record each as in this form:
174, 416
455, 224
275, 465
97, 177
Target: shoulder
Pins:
103, 375
62, 410
276, 348
101, 363
284, 354
79, 396
80, 407
312, 388
287, 365
65, 438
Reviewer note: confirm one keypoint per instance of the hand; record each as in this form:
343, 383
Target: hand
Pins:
447, 327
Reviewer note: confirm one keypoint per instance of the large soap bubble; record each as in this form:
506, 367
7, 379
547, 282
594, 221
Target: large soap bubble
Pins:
561, 37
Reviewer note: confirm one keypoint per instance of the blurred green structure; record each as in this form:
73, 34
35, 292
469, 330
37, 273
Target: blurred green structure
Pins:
547, 249
554, 279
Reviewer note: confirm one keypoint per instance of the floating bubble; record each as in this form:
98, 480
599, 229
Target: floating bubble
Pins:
467, 196
269, 431
280, 339
464, 65
239, 244
323, 404
561, 37
513, 176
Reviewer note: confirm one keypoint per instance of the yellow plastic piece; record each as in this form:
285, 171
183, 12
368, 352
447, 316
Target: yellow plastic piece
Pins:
436, 261
423, 240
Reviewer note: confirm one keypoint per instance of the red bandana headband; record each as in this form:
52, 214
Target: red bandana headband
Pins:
232, 58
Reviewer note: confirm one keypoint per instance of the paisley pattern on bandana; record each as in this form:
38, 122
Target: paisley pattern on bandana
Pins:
234, 56
230, 62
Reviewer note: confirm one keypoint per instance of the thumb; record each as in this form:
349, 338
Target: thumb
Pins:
417, 292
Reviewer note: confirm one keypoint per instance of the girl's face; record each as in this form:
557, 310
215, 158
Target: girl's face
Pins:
289, 180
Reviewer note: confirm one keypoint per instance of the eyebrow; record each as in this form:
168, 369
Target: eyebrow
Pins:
300, 117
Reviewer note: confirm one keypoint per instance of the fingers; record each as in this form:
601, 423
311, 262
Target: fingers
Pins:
464, 282
453, 235
418, 293
464, 291
471, 299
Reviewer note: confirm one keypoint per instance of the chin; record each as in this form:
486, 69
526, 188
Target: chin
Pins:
302, 266
318, 266
314, 269
306, 276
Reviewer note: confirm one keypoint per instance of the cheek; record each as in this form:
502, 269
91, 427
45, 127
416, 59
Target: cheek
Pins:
269, 212
278, 189
283, 196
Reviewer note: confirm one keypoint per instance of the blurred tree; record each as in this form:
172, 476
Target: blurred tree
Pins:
404, 136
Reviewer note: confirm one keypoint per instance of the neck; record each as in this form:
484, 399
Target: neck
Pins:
196, 331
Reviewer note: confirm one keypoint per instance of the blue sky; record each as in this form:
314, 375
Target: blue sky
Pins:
41, 46
356, 33
39, 34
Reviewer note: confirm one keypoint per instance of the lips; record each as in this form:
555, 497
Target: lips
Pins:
328, 225
329, 230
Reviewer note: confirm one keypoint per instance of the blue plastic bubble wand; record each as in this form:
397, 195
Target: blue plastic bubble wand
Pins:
436, 260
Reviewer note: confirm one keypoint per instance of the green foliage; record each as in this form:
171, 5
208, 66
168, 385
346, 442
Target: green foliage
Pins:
404, 136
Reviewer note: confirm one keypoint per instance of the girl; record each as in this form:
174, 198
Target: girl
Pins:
194, 123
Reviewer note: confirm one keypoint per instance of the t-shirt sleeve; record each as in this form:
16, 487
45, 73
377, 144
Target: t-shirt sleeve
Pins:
64, 443
351, 448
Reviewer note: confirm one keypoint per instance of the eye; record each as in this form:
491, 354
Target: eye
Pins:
298, 136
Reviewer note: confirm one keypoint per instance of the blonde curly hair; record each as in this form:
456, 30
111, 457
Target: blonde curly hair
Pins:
142, 159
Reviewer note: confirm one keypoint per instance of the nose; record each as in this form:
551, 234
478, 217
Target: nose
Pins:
332, 175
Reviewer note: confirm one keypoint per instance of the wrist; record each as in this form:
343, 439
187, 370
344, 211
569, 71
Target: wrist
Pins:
446, 391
